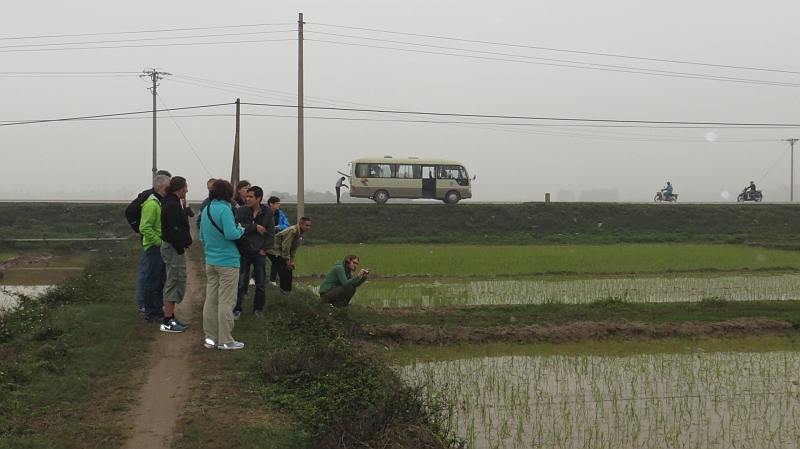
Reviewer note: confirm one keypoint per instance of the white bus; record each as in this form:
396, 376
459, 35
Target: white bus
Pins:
388, 177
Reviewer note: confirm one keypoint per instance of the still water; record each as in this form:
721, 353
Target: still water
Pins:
8, 298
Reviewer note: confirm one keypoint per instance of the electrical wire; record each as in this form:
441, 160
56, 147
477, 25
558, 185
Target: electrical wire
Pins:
532, 47
66, 74
773, 165
176, 44
99, 116
183, 134
169, 30
573, 65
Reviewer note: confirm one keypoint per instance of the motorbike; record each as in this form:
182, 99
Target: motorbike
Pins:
756, 196
660, 197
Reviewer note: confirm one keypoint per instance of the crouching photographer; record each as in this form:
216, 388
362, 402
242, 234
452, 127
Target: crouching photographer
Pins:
340, 285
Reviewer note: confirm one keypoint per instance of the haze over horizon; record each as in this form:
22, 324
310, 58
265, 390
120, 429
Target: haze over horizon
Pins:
533, 97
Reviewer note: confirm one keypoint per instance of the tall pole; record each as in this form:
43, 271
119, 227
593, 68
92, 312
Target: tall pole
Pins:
300, 141
154, 76
235, 169
791, 175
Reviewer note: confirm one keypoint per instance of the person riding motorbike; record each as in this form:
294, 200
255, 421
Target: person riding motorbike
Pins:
667, 191
750, 190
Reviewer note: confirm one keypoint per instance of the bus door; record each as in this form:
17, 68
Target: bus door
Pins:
428, 181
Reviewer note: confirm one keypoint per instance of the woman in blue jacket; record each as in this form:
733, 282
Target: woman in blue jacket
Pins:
218, 230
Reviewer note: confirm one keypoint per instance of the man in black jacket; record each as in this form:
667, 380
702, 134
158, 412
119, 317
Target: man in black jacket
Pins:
175, 239
259, 230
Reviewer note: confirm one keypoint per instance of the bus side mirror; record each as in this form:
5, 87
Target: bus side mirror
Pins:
473, 177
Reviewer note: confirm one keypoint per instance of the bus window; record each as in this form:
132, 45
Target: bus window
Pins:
362, 170
428, 172
455, 172
404, 171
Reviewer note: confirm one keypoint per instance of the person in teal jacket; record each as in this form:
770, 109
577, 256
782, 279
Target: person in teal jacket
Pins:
340, 285
218, 230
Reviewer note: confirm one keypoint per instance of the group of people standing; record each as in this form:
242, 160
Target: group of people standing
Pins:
239, 233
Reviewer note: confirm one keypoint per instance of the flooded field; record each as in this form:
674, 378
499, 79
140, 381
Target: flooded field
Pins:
8, 298
708, 400
455, 291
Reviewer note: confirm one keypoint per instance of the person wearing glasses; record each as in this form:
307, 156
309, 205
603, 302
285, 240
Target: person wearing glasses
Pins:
340, 285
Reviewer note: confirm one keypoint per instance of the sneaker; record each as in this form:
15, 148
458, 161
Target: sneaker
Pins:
154, 318
141, 309
252, 281
232, 345
236, 315
177, 321
172, 326
258, 314
273, 283
210, 344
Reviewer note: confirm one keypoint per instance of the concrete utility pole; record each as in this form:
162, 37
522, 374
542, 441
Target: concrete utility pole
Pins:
235, 169
791, 175
154, 76
300, 143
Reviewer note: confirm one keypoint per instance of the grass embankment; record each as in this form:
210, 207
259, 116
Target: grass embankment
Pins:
68, 361
549, 223
610, 310
300, 382
62, 220
452, 260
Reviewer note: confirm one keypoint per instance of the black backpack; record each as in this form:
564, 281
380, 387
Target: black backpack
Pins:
133, 213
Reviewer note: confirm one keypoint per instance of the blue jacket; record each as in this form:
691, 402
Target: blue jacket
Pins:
220, 249
280, 221
669, 189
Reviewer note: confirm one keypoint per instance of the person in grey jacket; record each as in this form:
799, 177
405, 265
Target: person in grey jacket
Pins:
259, 230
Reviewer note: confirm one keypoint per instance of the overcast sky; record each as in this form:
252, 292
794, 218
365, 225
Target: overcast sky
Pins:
732, 62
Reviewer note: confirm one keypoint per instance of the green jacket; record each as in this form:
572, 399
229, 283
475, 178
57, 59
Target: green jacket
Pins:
150, 224
339, 276
286, 243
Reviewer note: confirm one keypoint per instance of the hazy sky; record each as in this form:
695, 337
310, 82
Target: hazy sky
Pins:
526, 59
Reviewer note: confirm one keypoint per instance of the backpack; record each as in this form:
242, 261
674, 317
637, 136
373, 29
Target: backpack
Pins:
133, 213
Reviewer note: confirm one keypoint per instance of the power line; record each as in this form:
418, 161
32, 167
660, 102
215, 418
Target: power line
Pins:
542, 118
91, 117
176, 44
532, 47
169, 30
184, 135
144, 39
66, 74
574, 65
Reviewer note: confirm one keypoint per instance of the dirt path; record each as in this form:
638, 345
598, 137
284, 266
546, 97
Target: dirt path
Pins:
165, 390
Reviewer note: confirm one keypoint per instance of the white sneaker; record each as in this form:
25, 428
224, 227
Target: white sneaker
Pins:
210, 344
231, 345
252, 281
273, 283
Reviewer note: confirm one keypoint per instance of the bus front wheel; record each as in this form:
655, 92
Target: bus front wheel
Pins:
381, 197
452, 197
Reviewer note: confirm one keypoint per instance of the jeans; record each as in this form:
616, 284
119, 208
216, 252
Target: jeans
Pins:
283, 272
273, 272
140, 283
339, 296
155, 278
259, 264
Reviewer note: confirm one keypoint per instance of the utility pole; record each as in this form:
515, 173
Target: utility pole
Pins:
300, 142
155, 76
791, 173
235, 169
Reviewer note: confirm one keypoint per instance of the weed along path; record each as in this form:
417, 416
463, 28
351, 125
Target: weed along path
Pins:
165, 390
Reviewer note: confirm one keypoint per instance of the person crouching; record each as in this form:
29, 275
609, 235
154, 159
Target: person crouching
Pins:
340, 285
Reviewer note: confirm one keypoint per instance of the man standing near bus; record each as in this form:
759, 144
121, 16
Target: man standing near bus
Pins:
339, 184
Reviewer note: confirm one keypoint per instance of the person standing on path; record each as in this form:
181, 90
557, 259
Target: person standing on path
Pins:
155, 270
241, 192
284, 251
259, 231
281, 223
176, 239
218, 230
339, 184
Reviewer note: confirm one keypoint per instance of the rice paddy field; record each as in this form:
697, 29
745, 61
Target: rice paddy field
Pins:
659, 397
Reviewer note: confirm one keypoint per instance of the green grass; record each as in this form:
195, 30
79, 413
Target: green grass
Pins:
69, 364
710, 310
454, 260
63, 220
7, 256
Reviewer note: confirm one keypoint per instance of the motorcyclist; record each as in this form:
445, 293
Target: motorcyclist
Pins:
667, 191
750, 190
